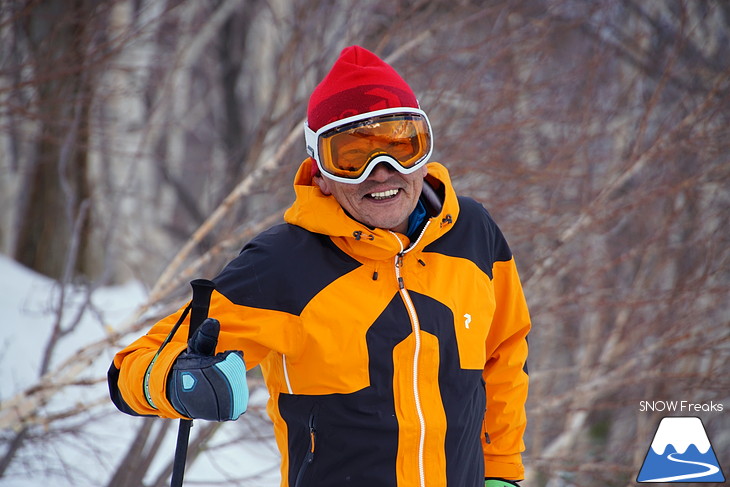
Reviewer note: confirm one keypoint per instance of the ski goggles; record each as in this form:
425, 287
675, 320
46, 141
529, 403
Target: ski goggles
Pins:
347, 150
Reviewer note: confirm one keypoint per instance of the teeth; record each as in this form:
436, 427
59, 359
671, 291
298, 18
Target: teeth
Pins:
381, 195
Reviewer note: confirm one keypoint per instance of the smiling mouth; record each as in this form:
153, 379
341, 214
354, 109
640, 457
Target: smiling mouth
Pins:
383, 195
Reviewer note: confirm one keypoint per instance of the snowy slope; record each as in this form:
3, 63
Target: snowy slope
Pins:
85, 450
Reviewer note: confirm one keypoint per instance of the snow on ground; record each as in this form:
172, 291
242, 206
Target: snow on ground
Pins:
88, 453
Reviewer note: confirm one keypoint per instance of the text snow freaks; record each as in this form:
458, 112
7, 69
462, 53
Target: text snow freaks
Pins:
680, 406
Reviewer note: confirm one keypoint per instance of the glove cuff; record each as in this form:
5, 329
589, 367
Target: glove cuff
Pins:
493, 482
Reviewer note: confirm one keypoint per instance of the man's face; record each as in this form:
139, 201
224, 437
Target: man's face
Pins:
384, 200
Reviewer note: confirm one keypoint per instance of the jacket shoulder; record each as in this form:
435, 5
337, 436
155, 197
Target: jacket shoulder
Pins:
282, 269
474, 236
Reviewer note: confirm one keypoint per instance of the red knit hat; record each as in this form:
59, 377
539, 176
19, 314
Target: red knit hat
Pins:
359, 82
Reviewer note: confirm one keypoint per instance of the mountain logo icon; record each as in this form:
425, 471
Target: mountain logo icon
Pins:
680, 452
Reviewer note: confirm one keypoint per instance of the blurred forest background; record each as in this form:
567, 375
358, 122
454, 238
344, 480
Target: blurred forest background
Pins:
148, 140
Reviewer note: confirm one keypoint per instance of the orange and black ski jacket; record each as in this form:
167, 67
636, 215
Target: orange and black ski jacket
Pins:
389, 362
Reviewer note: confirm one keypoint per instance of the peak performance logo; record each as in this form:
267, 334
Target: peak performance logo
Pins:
680, 452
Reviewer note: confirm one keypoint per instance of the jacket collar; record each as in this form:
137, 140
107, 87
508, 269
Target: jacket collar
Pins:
319, 213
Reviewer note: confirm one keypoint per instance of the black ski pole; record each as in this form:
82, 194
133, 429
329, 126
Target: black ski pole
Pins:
202, 290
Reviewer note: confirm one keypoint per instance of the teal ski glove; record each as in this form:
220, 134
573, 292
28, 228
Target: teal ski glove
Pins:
206, 386
499, 483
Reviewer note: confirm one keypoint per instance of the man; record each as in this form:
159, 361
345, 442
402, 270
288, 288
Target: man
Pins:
386, 313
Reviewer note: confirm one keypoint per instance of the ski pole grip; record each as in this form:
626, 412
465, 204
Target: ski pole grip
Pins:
202, 290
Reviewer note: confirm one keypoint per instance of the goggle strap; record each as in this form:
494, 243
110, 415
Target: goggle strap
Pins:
310, 139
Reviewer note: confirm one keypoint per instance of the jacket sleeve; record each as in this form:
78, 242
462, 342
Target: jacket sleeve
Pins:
255, 332
126, 375
505, 373
247, 301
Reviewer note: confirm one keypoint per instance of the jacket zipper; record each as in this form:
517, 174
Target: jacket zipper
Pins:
309, 457
416, 353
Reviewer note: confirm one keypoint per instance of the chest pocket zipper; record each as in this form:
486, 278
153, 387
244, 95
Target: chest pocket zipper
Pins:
309, 457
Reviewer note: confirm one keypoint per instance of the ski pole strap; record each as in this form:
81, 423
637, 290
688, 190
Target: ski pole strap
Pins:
148, 372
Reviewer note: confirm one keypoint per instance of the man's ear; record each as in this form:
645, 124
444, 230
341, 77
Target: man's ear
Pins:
323, 184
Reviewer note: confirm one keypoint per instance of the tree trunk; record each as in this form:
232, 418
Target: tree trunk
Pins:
56, 184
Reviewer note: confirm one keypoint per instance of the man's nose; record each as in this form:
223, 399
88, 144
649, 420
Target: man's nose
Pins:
381, 171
